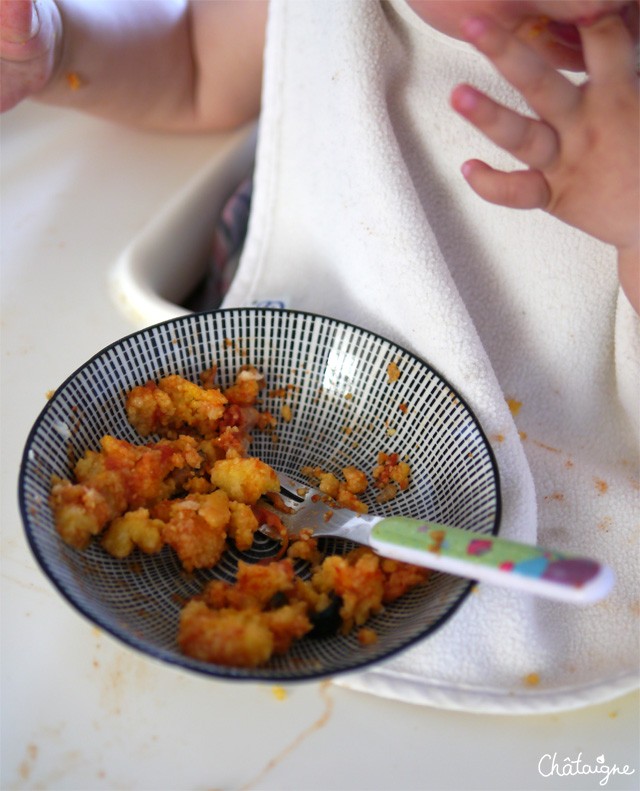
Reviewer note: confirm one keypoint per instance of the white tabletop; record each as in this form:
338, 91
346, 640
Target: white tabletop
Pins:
79, 710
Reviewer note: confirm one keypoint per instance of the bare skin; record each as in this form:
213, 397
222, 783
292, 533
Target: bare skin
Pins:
178, 67
550, 27
153, 64
582, 145
580, 149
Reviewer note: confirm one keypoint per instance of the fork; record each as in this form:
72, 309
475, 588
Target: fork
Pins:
464, 553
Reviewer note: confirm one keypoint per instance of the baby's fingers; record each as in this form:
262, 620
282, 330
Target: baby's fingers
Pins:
609, 50
532, 142
18, 21
546, 91
523, 189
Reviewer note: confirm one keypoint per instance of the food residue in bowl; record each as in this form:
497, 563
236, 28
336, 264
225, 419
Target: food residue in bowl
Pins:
195, 489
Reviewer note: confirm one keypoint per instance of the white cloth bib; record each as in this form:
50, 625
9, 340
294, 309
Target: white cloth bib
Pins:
360, 213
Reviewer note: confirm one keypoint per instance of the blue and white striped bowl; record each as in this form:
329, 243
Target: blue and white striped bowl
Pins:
344, 411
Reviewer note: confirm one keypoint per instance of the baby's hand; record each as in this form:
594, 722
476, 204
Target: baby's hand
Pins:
29, 34
583, 149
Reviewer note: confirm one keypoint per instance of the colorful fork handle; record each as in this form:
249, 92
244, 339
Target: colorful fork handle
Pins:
487, 558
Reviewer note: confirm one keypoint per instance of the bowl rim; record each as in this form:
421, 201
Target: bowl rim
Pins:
212, 670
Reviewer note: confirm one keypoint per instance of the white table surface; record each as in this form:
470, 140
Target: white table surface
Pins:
79, 710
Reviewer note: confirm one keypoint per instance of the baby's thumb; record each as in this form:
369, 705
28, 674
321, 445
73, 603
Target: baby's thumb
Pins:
19, 21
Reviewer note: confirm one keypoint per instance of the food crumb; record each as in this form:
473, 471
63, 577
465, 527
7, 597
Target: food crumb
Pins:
601, 486
279, 693
532, 679
390, 475
514, 406
285, 412
393, 372
538, 27
367, 636
49, 394
73, 80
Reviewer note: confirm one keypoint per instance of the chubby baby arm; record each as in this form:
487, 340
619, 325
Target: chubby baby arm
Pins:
581, 149
172, 65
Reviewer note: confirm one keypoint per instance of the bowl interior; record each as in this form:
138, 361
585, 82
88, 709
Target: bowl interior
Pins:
345, 409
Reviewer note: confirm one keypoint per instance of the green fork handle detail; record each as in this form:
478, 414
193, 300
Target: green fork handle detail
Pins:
488, 558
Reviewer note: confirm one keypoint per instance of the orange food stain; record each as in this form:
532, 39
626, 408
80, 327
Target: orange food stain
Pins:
437, 537
27, 765
555, 496
393, 373
538, 27
73, 80
542, 445
300, 738
367, 636
601, 486
279, 693
498, 438
514, 406
523, 435
605, 524
532, 679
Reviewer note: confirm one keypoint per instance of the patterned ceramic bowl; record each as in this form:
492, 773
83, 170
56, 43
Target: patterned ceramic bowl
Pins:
345, 409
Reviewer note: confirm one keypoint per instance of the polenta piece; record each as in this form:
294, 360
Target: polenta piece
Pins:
173, 406
244, 480
245, 623
172, 491
190, 486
